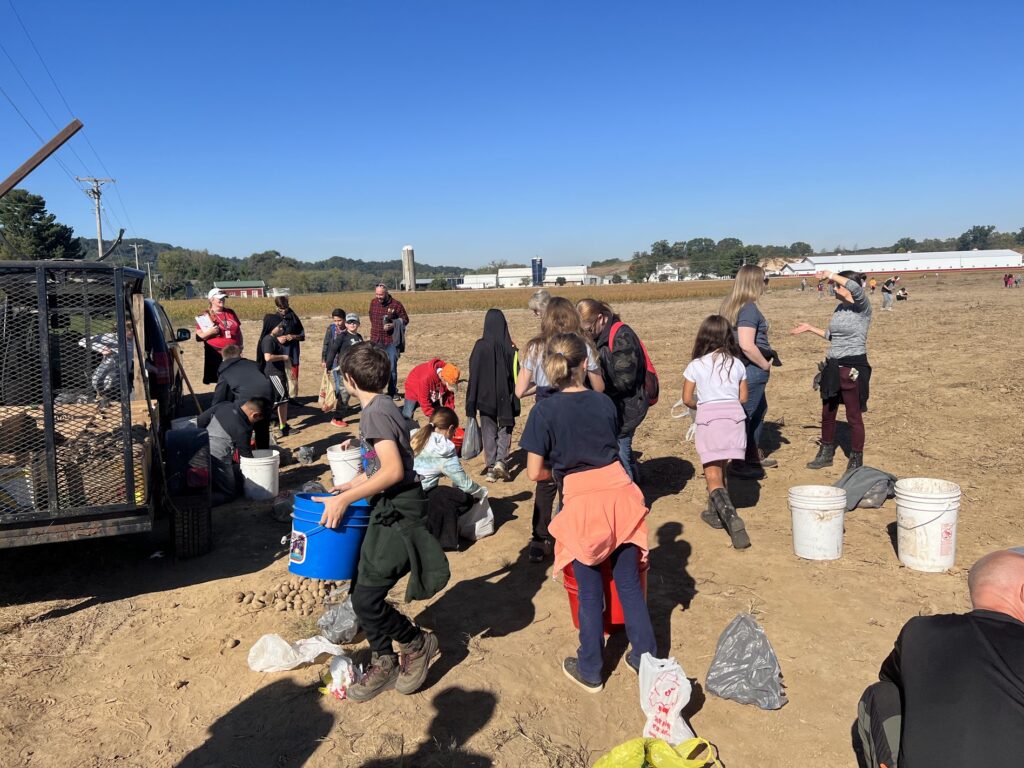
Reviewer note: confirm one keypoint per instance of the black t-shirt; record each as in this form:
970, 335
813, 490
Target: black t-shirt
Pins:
962, 681
271, 346
888, 285
573, 431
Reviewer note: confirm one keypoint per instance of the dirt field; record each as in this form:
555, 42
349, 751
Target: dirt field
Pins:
113, 656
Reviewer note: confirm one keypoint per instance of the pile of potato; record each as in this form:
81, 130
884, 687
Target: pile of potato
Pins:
297, 594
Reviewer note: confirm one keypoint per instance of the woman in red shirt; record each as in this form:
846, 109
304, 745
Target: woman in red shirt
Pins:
226, 329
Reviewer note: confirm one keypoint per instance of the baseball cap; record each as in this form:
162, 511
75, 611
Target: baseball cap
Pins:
216, 293
351, 317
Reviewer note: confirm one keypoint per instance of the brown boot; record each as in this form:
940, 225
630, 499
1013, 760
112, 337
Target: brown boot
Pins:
381, 676
415, 661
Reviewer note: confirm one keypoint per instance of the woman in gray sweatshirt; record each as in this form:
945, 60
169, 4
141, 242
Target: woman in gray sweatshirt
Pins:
845, 374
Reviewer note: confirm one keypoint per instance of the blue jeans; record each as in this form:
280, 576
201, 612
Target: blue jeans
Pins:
886, 300
626, 454
626, 572
392, 353
409, 408
756, 407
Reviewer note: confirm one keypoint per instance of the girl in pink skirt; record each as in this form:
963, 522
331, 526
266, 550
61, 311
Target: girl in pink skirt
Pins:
715, 383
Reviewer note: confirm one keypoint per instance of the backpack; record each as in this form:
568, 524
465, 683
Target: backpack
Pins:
651, 386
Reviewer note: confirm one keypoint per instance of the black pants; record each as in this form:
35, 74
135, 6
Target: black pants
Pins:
382, 623
543, 506
877, 733
261, 432
444, 506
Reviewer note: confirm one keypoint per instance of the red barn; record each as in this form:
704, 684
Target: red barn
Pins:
243, 289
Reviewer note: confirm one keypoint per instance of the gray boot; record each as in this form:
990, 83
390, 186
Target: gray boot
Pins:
710, 516
732, 522
856, 461
826, 452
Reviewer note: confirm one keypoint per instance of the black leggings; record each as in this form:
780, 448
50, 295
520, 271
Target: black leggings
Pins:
543, 506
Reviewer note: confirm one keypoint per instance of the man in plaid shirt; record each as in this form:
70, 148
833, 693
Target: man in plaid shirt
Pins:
384, 310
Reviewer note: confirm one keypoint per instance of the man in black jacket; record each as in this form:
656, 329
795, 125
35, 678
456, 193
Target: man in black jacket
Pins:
239, 380
952, 690
229, 426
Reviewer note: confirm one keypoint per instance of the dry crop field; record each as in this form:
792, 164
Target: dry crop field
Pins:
113, 656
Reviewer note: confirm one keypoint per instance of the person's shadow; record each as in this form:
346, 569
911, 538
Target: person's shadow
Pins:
668, 583
496, 604
279, 725
460, 714
664, 476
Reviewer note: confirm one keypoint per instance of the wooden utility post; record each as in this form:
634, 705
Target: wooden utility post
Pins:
44, 152
96, 194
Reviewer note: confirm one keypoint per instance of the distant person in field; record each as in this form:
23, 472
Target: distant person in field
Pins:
225, 328
803, 284
388, 324
821, 290
902, 295
846, 373
240, 380
951, 693
888, 289
872, 284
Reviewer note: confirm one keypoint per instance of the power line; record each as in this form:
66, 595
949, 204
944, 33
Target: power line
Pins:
68, 107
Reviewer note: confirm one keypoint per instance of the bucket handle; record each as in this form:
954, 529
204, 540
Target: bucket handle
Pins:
921, 525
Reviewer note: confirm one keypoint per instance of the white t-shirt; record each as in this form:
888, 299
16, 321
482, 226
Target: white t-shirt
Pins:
715, 379
535, 365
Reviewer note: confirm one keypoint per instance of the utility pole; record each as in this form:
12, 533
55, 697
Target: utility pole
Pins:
136, 247
96, 194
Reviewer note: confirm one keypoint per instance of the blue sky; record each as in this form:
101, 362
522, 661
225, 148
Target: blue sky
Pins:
483, 130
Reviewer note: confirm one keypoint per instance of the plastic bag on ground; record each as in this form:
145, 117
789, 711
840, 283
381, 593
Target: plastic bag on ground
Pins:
478, 522
472, 443
745, 667
339, 624
272, 653
313, 487
664, 691
307, 455
340, 675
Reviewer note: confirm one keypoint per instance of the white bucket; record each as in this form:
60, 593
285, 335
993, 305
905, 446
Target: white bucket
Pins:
818, 512
926, 514
184, 422
260, 474
345, 464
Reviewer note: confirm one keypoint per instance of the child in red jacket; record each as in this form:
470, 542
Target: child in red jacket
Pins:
430, 385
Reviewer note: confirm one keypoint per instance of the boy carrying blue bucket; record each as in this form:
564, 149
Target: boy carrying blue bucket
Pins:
397, 541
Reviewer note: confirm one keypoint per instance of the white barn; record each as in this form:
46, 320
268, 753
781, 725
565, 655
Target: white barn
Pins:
578, 275
513, 277
480, 281
930, 261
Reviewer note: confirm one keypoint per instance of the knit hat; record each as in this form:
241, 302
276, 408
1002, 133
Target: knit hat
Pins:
449, 375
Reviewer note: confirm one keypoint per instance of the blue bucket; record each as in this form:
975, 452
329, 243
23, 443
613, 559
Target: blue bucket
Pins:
326, 553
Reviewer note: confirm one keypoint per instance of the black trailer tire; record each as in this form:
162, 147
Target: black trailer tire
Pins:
191, 525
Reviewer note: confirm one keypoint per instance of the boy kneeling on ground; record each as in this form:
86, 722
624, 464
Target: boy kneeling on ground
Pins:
397, 541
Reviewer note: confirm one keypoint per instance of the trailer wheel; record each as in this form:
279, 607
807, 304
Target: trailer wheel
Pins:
191, 525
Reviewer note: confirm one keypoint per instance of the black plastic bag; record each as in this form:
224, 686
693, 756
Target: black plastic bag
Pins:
471, 441
745, 667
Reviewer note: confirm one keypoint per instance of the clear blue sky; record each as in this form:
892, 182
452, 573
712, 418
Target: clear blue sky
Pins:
478, 130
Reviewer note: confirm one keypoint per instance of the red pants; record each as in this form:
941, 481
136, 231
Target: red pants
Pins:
849, 396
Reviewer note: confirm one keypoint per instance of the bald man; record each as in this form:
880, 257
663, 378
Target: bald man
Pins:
956, 681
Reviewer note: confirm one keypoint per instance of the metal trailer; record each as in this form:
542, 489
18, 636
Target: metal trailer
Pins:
79, 440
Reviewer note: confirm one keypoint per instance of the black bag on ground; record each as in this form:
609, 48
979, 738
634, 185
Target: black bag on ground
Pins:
745, 667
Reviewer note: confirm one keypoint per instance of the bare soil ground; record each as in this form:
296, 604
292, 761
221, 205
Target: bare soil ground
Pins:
113, 656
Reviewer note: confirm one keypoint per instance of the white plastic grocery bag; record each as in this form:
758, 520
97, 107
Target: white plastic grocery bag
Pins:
664, 691
272, 653
478, 522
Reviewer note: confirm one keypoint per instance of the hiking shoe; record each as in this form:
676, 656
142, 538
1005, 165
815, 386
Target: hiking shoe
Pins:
414, 660
490, 476
499, 471
856, 461
381, 676
572, 670
284, 430
746, 469
767, 462
339, 422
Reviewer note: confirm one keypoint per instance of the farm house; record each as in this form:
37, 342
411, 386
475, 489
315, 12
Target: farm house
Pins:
932, 261
242, 289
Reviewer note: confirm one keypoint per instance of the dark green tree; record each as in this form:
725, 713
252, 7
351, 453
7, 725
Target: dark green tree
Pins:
438, 284
559, 280
905, 245
975, 237
661, 252
800, 249
728, 244
640, 267
30, 232
616, 279
1019, 236
700, 255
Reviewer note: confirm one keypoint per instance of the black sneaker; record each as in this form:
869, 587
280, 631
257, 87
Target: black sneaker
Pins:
538, 551
285, 430
381, 676
571, 669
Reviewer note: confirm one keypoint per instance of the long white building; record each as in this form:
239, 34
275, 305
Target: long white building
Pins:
931, 261
519, 277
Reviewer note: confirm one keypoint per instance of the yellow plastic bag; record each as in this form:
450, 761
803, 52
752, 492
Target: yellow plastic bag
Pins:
655, 753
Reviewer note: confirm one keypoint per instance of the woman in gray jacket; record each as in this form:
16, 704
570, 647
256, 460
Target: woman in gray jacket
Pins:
845, 374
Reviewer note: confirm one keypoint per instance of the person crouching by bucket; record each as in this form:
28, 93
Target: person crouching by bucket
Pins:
397, 541
603, 515
230, 426
715, 384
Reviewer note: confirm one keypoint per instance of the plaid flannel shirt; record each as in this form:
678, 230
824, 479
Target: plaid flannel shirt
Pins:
377, 314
